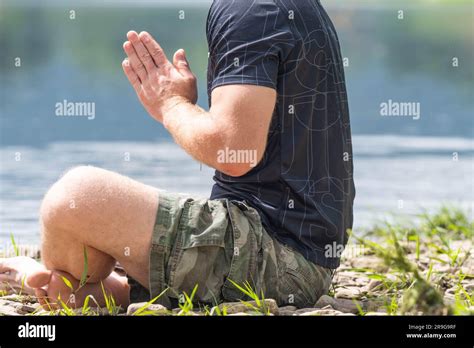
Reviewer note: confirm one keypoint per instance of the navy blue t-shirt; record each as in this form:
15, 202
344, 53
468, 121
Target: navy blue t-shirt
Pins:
303, 188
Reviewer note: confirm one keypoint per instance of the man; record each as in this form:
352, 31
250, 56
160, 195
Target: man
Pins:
277, 133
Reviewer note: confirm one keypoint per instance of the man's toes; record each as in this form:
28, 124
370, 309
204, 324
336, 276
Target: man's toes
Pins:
39, 279
7, 277
42, 297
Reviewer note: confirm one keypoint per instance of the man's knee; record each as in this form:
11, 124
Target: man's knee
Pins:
63, 204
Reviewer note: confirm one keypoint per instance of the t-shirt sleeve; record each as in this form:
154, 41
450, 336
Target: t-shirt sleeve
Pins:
247, 42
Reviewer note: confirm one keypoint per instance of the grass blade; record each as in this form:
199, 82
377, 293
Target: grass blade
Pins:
67, 282
85, 269
142, 310
15, 246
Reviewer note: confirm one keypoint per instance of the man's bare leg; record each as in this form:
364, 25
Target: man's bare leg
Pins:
111, 216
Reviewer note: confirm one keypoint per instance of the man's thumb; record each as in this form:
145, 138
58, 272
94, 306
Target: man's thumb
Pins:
181, 63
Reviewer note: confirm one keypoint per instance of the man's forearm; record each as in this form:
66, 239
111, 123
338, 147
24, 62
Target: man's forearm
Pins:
195, 130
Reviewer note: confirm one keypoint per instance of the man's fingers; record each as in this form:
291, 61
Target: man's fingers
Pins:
142, 52
154, 49
136, 63
181, 63
131, 75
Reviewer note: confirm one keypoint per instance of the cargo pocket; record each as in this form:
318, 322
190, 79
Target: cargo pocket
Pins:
247, 233
301, 282
199, 254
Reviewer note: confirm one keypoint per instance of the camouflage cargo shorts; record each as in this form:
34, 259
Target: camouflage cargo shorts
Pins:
213, 243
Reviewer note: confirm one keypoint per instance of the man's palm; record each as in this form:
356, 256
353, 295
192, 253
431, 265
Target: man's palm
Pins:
157, 82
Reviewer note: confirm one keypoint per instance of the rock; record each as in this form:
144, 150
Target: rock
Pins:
42, 312
374, 283
464, 245
442, 268
469, 287
177, 311
323, 312
325, 300
287, 310
467, 269
347, 276
373, 306
361, 281
193, 314
392, 277
346, 314
28, 308
308, 310
12, 297
451, 291
101, 311
371, 262
239, 307
239, 314
376, 314
157, 309
233, 308
326, 310
449, 299
348, 292
342, 305
341, 281
10, 307
20, 303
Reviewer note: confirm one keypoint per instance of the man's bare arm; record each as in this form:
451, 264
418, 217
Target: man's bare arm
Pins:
237, 121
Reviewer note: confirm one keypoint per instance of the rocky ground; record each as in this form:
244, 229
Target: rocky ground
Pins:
423, 270
363, 285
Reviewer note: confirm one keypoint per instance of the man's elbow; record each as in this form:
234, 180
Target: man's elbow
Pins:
237, 158
234, 169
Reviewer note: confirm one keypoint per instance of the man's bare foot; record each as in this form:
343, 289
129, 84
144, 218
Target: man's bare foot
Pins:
14, 272
52, 286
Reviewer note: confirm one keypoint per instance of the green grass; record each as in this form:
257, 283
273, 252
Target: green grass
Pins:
186, 305
218, 311
142, 311
260, 306
15, 246
419, 288
85, 269
110, 303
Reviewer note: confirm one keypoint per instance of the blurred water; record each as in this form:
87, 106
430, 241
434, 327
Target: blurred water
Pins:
396, 159
419, 171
